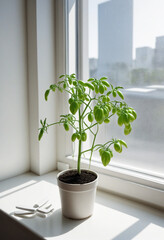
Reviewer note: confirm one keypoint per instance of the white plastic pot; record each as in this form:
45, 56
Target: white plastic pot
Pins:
77, 200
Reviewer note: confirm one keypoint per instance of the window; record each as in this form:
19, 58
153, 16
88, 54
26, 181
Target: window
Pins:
126, 44
123, 40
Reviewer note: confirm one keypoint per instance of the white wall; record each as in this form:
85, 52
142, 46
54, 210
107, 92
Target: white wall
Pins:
14, 137
27, 68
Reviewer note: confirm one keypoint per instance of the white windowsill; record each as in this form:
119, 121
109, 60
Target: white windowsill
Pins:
114, 217
131, 184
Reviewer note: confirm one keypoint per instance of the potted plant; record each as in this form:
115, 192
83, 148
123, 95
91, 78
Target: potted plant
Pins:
90, 106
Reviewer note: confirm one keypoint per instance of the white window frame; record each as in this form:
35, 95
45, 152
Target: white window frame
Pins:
128, 183
41, 38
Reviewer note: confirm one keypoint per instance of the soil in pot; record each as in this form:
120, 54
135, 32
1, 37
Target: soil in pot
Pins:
73, 177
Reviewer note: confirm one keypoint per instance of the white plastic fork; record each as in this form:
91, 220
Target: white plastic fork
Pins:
42, 209
35, 206
23, 212
27, 214
46, 208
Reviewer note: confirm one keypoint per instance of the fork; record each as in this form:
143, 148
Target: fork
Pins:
32, 209
42, 209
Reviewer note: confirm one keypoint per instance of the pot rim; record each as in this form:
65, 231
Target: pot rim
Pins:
77, 186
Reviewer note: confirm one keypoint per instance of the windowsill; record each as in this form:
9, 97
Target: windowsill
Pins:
128, 183
114, 217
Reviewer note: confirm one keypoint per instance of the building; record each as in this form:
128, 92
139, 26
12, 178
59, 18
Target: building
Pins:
144, 57
159, 52
115, 34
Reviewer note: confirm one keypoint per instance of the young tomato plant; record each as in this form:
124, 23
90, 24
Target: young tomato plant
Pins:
90, 102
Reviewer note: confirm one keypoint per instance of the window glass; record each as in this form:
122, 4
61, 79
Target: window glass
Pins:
126, 44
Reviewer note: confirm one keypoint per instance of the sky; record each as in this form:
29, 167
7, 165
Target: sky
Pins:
148, 22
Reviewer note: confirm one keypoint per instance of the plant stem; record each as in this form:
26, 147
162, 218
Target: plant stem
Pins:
48, 125
91, 126
79, 150
86, 107
88, 150
72, 126
88, 128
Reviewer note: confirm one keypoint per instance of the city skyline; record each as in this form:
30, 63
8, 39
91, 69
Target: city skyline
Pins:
147, 24
140, 47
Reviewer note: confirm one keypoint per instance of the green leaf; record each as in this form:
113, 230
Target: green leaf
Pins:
45, 121
120, 94
60, 89
119, 87
90, 79
90, 117
53, 87
73, 138
73, 75
65, 85
46, 94
89, 85
70, 100
66, 126
72, 90
105, 158
61, 76
114, 93
40, 134
123, 143
75, 83
69, 80
103, 78
74, 107
83, 136
106, 120
120, 120
134, 114
86, 98
127, 131
108, 93
81, 82
96, 89
117, 146
101, 89
105, 83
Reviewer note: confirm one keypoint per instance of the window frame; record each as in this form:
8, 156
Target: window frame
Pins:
118, 180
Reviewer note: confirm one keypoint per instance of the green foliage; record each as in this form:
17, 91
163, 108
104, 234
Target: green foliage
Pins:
43, 129
95, 101
46, 94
